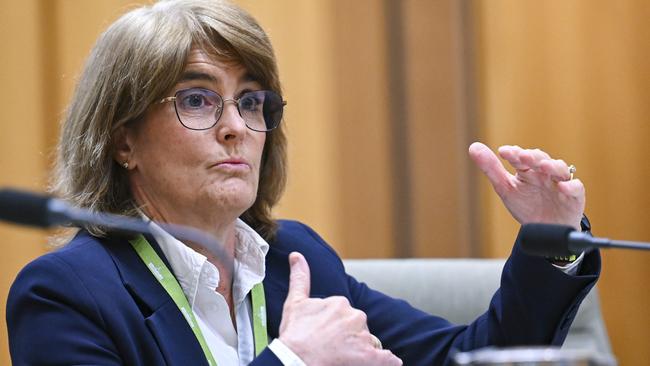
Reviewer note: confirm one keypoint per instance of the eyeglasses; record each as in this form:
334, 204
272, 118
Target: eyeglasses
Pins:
200, 109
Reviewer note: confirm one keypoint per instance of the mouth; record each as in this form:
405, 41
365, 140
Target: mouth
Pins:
233, 164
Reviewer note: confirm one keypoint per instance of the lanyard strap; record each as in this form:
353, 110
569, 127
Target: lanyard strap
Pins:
259, 318
164, 276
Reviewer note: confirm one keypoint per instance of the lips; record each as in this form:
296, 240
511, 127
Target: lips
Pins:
233, 163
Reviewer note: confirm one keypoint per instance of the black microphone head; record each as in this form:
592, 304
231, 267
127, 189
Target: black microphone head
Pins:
24, 208
546, 240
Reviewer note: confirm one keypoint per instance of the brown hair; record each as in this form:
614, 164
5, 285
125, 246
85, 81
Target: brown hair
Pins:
134, 62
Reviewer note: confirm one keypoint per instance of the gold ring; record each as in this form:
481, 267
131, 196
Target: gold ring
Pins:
376, 342
572, 169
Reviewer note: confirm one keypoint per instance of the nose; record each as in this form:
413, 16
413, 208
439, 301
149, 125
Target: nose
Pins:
231, 126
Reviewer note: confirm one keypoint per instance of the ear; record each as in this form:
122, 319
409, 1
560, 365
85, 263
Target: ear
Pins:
123, 146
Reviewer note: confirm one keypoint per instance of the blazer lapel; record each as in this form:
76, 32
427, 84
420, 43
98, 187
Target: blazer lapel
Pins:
173, 334
276, 286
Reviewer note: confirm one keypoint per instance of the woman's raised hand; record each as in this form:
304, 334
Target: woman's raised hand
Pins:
541, 189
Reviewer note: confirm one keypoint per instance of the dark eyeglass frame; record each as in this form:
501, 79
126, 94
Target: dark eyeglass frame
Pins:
235, 101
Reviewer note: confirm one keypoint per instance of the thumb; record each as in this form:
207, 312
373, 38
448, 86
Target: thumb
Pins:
299, 281
489, 163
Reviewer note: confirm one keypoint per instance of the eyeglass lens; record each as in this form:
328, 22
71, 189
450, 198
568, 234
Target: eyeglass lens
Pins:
200, 109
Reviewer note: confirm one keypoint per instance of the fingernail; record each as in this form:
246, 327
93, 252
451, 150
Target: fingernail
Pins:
293, 259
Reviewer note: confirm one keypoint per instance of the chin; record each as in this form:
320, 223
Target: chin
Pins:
233, 198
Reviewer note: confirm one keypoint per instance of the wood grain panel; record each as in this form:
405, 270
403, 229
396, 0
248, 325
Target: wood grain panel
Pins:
572, 78
22, 136
438, 135
362, 125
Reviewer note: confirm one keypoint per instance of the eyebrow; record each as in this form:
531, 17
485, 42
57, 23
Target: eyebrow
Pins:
250, 77
197, 75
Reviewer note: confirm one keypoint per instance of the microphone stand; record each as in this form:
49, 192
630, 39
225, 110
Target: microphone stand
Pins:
579, 242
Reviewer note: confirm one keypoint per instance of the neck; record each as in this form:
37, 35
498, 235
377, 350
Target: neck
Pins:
220, 225
225, 236
227, 239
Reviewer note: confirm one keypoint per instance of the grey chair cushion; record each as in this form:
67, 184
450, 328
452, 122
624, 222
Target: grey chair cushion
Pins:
461, 289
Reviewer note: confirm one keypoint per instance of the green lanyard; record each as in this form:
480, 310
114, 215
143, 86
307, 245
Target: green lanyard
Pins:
158, 268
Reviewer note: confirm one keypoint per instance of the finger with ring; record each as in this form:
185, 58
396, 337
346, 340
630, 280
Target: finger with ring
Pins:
572, 169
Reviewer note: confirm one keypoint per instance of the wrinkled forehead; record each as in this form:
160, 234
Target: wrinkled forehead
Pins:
213, 69
201, 58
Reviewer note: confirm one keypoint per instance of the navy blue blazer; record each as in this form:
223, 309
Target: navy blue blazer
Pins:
94, 302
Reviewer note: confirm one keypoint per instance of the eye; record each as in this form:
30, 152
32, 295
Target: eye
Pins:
251, 102
193, 99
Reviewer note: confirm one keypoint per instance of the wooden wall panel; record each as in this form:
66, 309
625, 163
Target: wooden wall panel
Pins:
21, 136
361, 101
438, 135
572, 77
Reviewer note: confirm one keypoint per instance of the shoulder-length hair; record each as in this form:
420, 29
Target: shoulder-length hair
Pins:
134, 62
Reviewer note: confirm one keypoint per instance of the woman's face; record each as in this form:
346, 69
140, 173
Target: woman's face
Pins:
195, 177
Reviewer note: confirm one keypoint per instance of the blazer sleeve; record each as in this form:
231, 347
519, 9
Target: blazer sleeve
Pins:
266, 358
52, 318
535, 305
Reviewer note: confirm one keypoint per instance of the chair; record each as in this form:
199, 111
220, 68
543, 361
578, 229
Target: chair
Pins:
461, 289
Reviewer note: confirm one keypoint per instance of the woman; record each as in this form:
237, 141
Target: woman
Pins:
176, 119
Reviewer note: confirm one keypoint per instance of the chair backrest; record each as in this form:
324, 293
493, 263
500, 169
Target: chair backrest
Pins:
461, 289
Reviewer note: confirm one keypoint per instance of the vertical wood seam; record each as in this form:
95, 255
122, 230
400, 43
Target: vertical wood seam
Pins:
399, 120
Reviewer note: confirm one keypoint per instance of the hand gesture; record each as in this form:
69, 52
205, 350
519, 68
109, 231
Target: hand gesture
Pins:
326, 331
541, 190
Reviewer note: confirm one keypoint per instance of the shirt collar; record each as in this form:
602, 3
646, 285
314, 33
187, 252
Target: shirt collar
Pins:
193, 270
250, 254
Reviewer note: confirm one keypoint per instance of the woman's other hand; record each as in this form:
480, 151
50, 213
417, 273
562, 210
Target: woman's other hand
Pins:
326, 331
541, 190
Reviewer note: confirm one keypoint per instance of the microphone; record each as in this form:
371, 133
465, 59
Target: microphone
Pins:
32, 209
550, 240
37, 210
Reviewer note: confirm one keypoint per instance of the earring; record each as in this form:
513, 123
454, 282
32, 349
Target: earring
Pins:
125, 165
